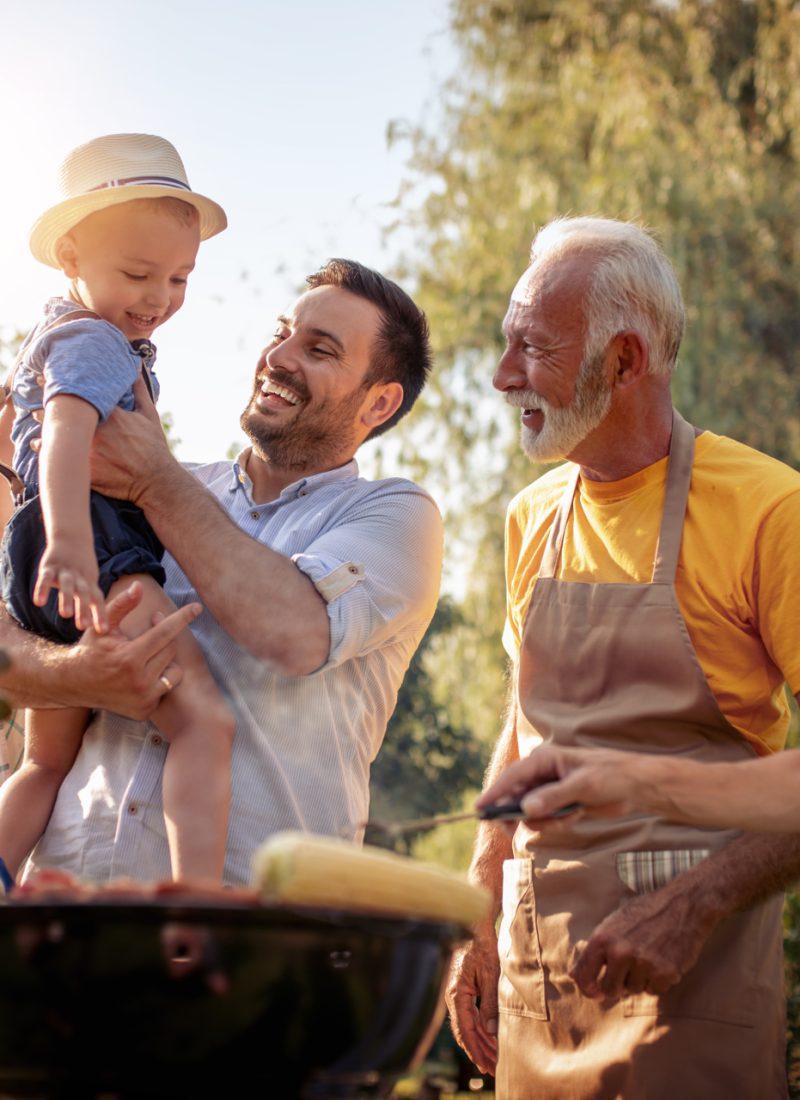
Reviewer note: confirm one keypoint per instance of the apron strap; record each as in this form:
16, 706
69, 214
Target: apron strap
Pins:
679, 476
676, 497
552, 551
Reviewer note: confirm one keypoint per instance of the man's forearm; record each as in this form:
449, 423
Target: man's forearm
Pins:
750, 869
472, 987
759, 794
493, 842
257, 595
103, 672
655, 938
40, 672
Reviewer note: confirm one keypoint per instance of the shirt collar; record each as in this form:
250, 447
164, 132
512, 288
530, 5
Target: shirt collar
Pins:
241, 480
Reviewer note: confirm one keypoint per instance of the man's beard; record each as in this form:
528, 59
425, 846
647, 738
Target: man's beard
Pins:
566, 428
313, 440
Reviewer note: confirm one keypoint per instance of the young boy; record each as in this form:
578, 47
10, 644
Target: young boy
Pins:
126, 235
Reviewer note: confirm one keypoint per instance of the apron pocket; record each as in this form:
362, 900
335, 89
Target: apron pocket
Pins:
521, 988
721, 986
643, 872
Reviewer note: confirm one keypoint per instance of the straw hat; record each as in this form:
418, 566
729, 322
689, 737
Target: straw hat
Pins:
113, 169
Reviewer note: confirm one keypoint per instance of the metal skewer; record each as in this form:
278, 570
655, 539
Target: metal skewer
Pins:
505, 811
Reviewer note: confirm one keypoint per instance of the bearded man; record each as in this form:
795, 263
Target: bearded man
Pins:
653, 586
317, 587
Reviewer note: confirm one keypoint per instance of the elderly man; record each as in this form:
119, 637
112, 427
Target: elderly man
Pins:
317, 587
653, 600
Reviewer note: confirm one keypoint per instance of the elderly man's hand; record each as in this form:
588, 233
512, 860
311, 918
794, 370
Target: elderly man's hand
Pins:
129, 449
471, 996
646, 946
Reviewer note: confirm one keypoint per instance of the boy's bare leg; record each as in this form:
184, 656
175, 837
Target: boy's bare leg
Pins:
52, 740
199, 727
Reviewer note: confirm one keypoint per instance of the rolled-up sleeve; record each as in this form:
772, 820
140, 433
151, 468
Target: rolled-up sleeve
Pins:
378, 570
91, 360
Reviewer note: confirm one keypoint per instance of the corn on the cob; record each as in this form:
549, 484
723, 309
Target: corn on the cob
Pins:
323, 872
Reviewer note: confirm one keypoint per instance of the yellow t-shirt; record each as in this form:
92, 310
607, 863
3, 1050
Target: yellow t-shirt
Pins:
738, 579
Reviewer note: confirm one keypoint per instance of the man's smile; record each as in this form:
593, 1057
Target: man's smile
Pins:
532, 407
277, 395
533, 417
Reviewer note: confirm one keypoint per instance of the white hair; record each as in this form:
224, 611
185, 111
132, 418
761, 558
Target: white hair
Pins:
632, 285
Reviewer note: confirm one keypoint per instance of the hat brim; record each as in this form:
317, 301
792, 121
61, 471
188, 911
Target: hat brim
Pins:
62, 217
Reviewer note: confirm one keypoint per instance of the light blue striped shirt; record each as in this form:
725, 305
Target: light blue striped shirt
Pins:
303, 745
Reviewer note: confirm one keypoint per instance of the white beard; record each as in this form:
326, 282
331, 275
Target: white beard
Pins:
565, 429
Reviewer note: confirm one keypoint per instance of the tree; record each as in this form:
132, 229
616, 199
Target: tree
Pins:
428, 758
680, 115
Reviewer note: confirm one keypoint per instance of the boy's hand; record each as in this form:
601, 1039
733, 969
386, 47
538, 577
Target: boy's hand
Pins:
73, 571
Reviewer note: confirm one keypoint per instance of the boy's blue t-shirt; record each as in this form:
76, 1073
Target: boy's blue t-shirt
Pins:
93, 360
86, 358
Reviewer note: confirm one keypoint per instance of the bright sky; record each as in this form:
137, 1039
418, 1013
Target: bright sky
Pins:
279, 110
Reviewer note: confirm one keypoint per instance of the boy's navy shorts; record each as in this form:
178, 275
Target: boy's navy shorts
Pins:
124, 543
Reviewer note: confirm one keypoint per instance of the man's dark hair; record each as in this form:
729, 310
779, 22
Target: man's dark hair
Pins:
402, 350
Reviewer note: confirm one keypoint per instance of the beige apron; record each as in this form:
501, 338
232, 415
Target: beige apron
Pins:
613, 665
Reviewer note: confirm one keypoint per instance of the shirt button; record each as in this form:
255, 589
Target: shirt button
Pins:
133, 809
352, 569
303, 493
255, 515
155, 739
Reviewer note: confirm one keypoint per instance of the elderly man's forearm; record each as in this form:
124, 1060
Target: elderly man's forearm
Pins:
749, 870
493, 842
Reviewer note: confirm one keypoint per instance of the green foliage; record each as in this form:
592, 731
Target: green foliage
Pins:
793, 737
681, 116
428, 758
449, 845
